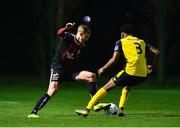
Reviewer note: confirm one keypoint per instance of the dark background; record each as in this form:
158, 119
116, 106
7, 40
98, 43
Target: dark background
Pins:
28, 32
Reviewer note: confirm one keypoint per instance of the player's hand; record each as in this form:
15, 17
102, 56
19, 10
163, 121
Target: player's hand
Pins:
100, 71
70, 25
149, 68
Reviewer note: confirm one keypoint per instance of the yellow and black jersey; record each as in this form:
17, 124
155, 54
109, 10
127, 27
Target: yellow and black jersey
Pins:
133, 49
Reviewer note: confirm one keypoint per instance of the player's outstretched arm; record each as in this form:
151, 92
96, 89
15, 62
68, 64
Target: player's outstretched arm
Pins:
156, 53
68, 26
109, 64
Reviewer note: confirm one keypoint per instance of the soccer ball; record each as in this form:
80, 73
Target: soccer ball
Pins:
87, 19
112, 110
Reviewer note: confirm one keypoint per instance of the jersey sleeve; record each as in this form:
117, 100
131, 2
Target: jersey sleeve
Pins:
118, 47
149, 45
63, 32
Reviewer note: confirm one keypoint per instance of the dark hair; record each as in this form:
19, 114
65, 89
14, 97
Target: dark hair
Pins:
127, 28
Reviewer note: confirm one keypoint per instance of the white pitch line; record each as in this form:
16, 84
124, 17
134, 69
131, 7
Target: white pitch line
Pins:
9, 102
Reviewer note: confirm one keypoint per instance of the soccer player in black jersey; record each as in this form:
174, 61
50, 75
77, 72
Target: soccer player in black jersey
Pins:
63, 65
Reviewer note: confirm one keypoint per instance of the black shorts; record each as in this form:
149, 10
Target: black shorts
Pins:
124, 79
60, 74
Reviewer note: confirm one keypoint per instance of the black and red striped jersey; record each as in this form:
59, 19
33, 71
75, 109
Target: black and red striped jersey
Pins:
68, 50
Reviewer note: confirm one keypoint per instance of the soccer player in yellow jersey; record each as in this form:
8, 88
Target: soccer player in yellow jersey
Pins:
134, 72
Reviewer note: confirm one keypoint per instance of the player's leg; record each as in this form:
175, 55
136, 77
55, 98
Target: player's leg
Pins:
92, 88
125, 80
53, 87
90, 78
122, 79
101, 93
119, 80
123, 100
124, 96
96, 98
86, 76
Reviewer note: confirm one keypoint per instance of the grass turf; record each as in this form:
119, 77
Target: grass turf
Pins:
145, 107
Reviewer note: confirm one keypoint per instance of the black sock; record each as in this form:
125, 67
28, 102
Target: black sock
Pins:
42, 101
92, 89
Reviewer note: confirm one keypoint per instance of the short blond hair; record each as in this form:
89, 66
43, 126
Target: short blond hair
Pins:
85, 29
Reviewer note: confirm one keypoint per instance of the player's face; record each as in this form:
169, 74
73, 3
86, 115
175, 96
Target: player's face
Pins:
122, 35
83, 37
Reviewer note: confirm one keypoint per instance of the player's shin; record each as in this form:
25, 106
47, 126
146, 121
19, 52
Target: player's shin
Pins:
92, 89
124, 97
42, 101
96, 98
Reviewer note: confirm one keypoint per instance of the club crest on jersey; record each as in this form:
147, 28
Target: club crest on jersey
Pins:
70, 55
116, 48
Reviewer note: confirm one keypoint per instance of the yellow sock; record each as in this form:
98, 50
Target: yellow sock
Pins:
97, 97
123, 97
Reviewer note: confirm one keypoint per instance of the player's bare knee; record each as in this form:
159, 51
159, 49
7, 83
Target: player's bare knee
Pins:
92, 77
110, 85
53, 87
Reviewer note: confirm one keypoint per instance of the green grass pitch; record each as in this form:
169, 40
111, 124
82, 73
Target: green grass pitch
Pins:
145, 107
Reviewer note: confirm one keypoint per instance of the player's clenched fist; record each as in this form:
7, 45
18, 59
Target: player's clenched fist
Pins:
70, 25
